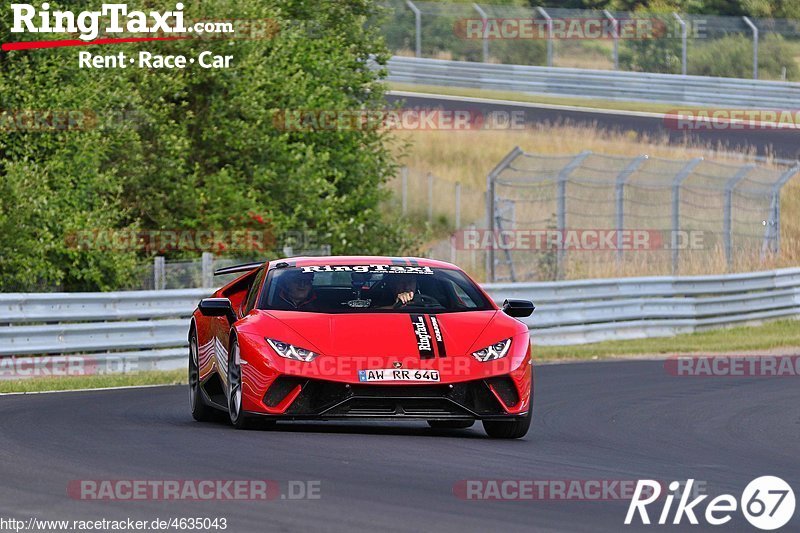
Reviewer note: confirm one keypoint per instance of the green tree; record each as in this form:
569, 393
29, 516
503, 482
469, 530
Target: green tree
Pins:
195, 148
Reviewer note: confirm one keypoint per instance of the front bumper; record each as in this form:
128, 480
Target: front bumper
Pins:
483, 399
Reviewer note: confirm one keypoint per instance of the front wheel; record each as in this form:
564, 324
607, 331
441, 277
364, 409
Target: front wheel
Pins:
238, 419
509, 429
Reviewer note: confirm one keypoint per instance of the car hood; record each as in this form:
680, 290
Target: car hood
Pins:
377, 334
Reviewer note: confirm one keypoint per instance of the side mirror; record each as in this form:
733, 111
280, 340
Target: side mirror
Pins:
518, 308
217, 307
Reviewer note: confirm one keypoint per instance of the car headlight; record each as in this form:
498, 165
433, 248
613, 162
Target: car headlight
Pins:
289, 351
495, 351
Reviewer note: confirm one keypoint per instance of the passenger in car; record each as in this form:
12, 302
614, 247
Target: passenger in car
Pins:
402, 290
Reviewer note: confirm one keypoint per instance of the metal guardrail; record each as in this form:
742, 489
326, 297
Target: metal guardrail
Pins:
577, 312
94, 333
17, 308
126, 331
603, 84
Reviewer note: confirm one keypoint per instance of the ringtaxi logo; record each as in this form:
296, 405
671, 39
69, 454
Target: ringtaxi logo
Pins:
767, 503
87, 23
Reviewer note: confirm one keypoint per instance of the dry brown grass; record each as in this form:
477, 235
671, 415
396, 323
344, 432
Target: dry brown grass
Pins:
468, 156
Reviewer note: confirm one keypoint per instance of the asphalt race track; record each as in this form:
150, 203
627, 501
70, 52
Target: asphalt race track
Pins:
604, 421
781, 143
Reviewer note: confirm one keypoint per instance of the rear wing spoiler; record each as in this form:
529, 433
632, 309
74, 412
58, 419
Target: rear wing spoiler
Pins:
247, 267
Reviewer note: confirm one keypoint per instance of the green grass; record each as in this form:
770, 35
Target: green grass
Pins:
172, 377
543, 99
778, 334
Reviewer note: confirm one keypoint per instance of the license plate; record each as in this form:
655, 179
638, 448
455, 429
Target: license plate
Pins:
392, 374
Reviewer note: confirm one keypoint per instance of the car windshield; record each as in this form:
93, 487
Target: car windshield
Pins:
371, 289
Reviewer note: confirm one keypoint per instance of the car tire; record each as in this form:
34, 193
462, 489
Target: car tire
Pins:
508, 429
451, 424
238, 418
201, 411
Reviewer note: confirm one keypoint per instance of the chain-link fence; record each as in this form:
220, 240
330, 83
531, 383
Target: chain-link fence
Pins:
160, 274
443, 204
445, 208
589, 214
675, 43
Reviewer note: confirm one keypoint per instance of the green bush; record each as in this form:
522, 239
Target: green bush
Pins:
661, 55
732, 56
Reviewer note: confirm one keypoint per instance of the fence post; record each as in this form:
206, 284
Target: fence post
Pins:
727, 217
485, 20
490, 206
208, 270
549, 22
770, 242
619, 194
159, 273
458, 205
561, 198
404, 189
615, 35
755, 46
676, 208
417, 26
772, 232
683, 42
473, 254
430, 197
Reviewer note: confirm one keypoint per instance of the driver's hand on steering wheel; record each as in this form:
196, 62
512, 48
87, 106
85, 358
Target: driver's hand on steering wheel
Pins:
404, 297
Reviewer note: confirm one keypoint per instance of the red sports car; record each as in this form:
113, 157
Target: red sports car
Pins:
361, 337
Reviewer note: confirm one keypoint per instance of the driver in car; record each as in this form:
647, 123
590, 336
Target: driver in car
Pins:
296, 291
